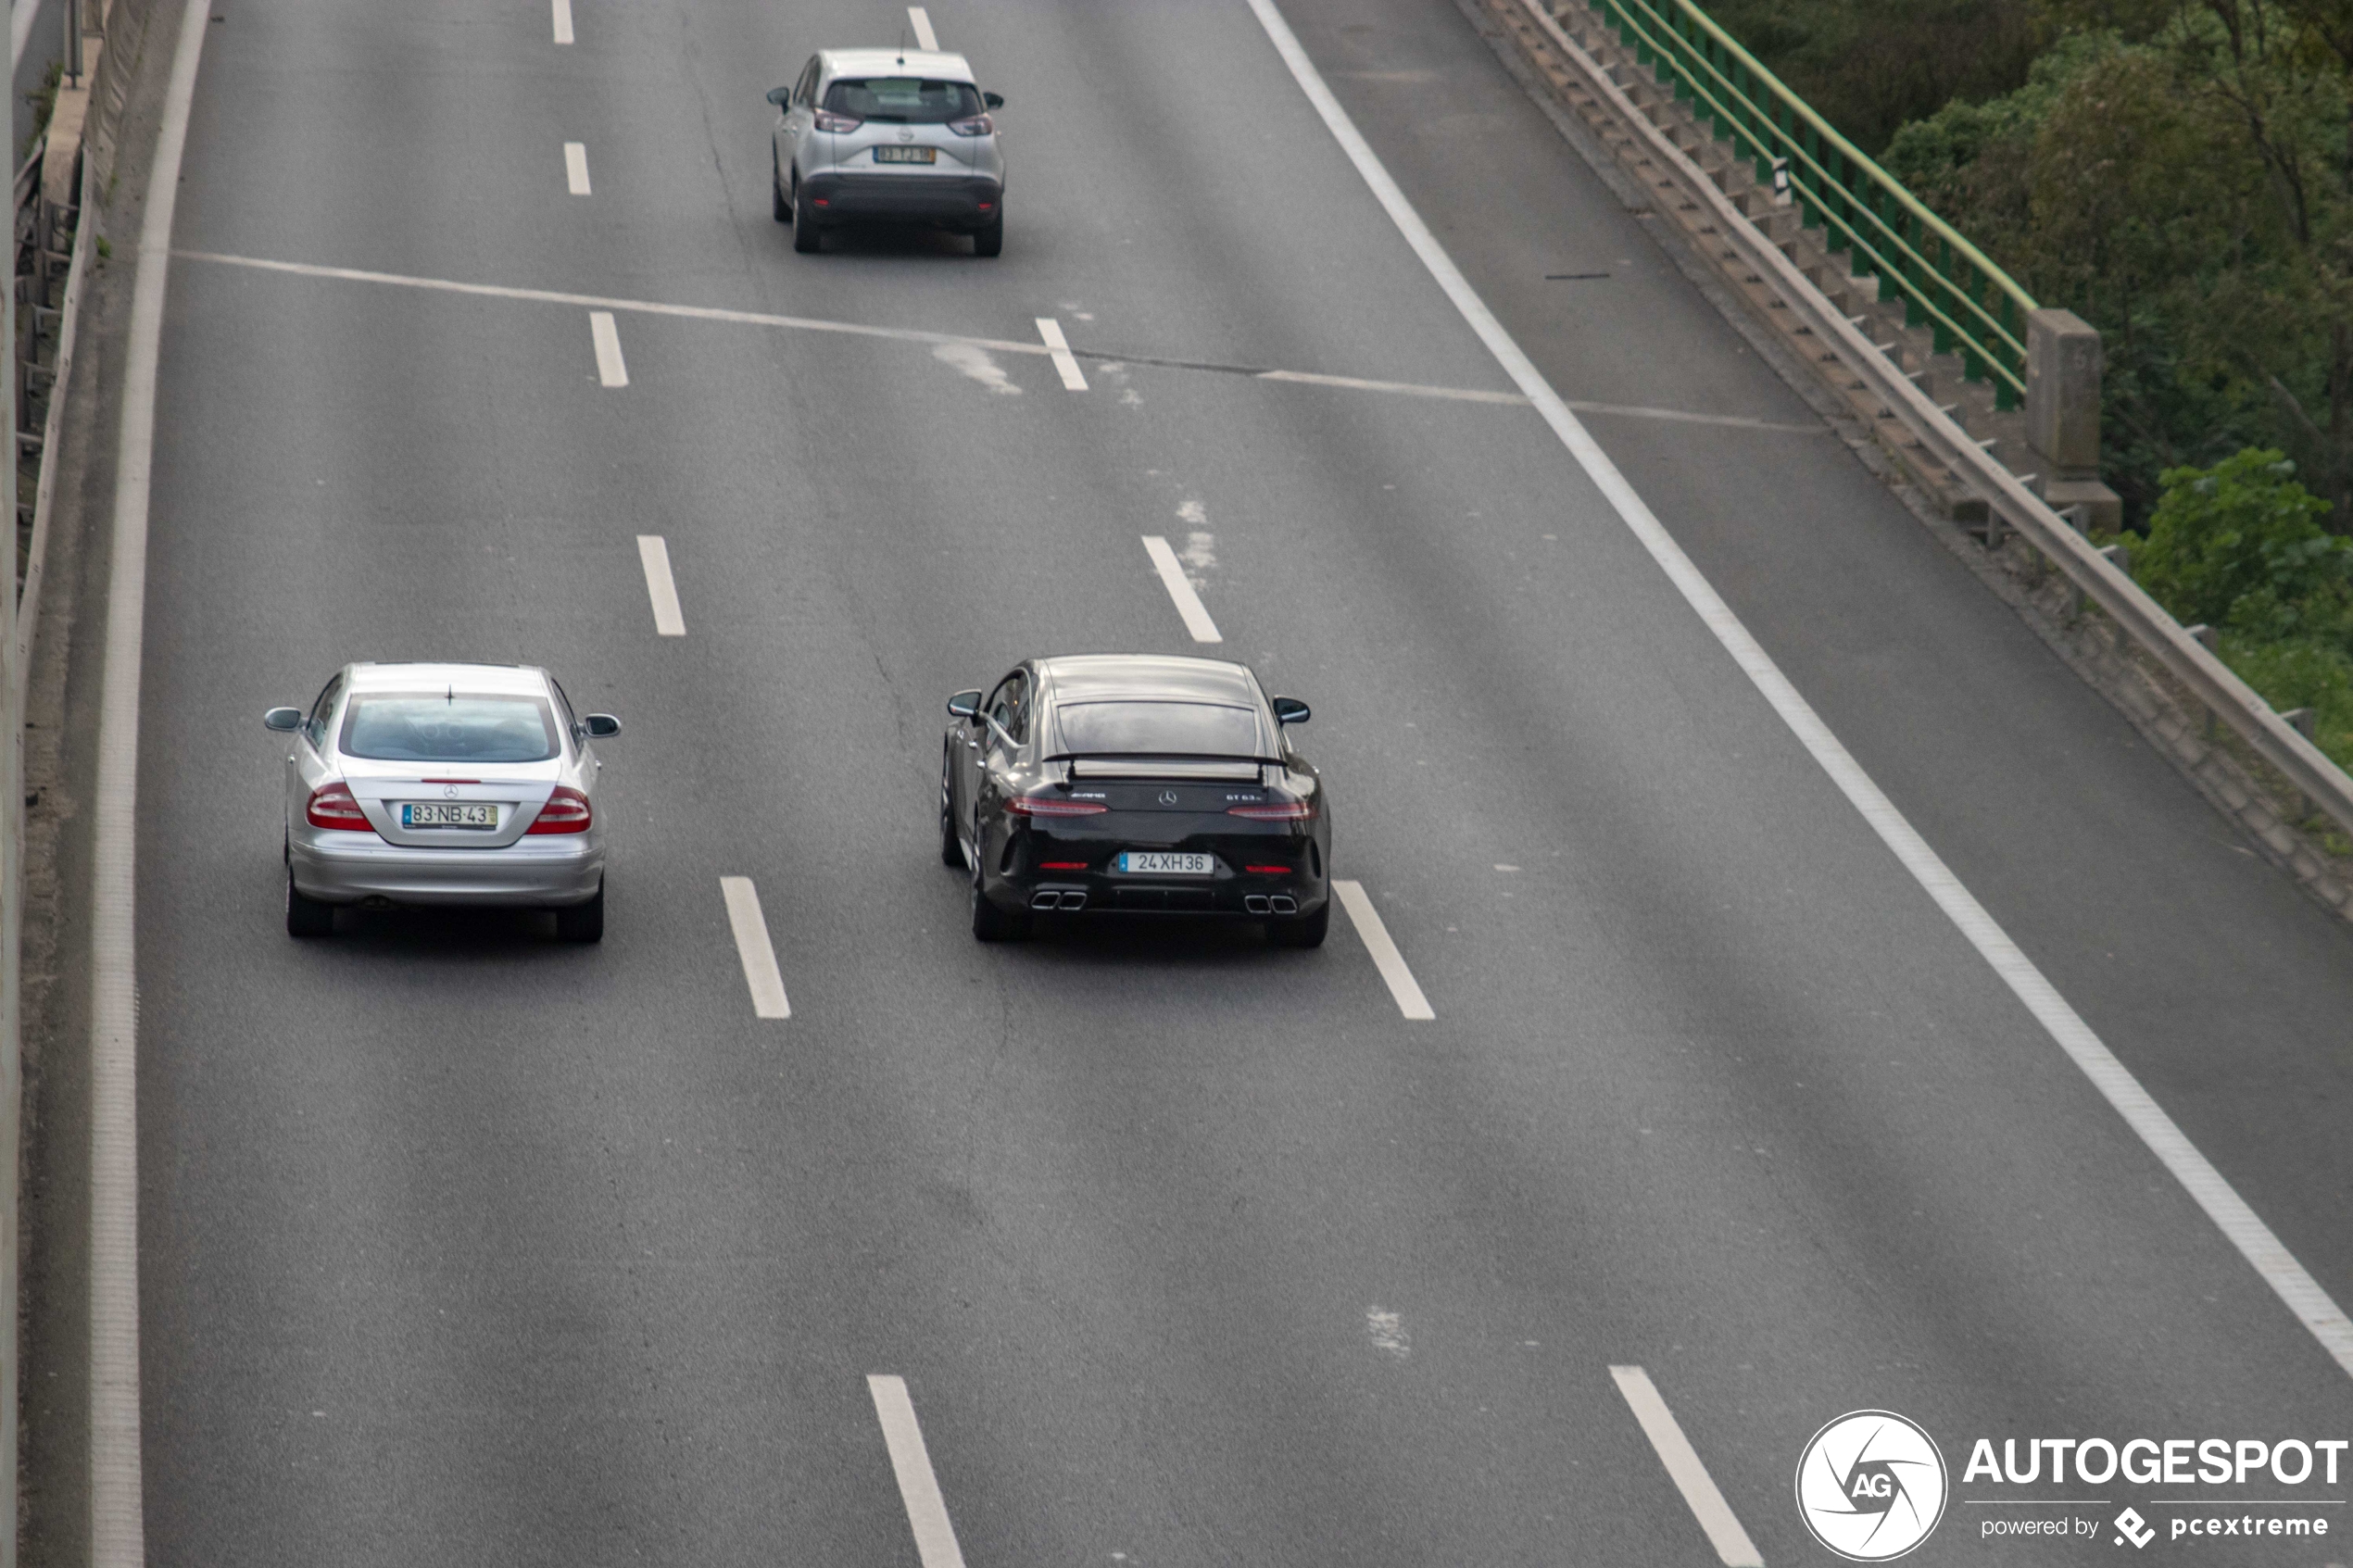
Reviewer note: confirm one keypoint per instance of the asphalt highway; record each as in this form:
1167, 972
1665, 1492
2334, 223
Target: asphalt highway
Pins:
459, 1245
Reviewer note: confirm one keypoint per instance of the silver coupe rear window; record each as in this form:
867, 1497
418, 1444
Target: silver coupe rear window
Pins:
443, 727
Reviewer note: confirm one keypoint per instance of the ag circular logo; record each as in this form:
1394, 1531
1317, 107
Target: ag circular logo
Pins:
1870, 1486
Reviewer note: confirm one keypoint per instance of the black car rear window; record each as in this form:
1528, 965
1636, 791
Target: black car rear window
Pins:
903, 100
1163, 729
444, 727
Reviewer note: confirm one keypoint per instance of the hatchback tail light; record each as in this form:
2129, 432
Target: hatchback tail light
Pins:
828, 120
978, 125
566, 811
1276, 811
1053, 806
332, 807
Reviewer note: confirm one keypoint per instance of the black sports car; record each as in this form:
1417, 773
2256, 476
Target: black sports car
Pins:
1134, 784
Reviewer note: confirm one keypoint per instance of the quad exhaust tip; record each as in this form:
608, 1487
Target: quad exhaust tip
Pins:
1257, 904
1283, 903
1054, 899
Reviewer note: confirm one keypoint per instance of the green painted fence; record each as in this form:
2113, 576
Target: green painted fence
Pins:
1971, 307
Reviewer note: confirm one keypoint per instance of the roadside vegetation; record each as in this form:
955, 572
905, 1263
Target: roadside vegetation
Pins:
2180, 174
42, 102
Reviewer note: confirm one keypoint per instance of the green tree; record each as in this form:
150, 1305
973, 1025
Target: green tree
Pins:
2240, 546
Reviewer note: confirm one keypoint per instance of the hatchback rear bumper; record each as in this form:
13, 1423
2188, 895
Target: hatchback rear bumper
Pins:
540, 872
956, 201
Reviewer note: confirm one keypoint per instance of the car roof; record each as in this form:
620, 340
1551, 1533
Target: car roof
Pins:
1097, 677
483, 678
937, 64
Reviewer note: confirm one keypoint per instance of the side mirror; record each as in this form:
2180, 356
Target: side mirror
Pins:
994, 100
288, 719
964, 705
601, 726
1291, 711
780, 96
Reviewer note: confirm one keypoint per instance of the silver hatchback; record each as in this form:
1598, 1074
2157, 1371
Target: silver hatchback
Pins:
893, 137
443, 784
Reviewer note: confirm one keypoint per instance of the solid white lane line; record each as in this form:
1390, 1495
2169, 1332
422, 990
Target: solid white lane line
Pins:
911, 1461
1049, 330
2245, 1230
611, 369
563, 21
576, 167
941, 340
118, 1530
654, 555
1386, 957
759, 955
1172, 577
920, 19
1691, 1477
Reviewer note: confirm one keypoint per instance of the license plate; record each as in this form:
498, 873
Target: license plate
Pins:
1137, 862
906, 155
449, 814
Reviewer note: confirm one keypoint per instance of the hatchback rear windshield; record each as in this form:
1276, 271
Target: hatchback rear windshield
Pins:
1162, 729
440, 727
903, 100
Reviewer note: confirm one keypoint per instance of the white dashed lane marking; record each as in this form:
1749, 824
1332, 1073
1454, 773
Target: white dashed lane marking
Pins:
1180, 588
918, 1488
611, 369
1691, 1477
654, 555
576, 167
759, 955
920, 19
563, 21
1066, 363
1386, 957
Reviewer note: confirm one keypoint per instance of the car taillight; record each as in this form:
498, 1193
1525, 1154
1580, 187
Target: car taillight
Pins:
828, 120
1268, 871
566, 811
1276, 811
1061, 865
332, 807
1050, 806
978, 125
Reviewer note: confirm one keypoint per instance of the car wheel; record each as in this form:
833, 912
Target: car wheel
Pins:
1303, 931
991, 923
951, 852
991, 240
583, 923
806, 237
780, 207
307, 916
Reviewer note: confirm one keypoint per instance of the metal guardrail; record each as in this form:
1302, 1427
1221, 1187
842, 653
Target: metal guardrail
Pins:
2207, 679
39, 326
1971, 307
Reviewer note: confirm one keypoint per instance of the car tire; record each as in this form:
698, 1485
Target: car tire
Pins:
583, 923
991, 923
779, 205
307, 916
991, 240
951, 849
1301, 930
807, 238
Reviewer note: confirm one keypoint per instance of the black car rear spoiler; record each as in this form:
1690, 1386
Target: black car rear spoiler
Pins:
1163, 765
